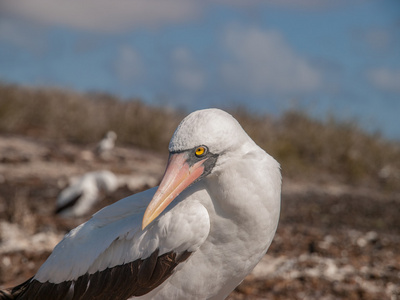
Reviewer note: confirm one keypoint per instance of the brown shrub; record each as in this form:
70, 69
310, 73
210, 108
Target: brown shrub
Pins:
306, 148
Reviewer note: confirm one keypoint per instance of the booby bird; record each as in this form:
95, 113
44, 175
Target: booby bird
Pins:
195, 236
83, 193
107, 143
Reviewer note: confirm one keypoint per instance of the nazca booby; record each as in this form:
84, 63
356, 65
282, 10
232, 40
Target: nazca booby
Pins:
106, 144
84, 192
196, 236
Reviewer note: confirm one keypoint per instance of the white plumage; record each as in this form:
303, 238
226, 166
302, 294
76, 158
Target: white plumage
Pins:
107, 143
224, 195
84, 192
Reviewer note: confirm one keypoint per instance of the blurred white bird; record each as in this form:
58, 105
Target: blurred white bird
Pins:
84, 192
106, 144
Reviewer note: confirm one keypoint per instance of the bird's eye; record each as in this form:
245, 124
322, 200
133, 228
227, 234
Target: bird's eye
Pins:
200, 151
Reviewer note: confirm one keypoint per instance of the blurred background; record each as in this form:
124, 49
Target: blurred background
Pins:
328, 57
315, 83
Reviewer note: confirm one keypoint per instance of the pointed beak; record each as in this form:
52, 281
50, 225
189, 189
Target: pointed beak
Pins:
177, 177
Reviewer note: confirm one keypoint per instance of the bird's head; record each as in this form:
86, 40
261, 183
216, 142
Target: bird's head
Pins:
197, 144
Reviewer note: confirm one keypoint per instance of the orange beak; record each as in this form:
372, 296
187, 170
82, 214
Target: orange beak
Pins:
177, 177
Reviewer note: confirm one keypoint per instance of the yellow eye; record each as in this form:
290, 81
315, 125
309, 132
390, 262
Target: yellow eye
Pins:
200, 151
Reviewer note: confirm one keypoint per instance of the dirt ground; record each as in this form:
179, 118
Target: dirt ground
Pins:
334, 241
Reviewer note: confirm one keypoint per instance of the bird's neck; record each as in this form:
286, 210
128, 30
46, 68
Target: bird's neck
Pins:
246, 197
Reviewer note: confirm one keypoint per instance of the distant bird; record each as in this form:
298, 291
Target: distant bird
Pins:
83, 193
106, 144
205, 227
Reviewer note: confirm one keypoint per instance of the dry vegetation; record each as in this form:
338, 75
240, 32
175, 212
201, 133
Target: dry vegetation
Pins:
305, 147
66, 115
339, 232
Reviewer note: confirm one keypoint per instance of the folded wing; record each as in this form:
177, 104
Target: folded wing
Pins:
111, 257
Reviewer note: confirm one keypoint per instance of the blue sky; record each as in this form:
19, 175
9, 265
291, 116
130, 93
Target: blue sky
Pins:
340, 57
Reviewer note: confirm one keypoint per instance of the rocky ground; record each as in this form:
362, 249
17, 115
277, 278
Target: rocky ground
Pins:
333, 242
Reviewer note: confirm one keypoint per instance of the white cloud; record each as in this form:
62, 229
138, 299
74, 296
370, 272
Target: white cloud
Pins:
310, 5
101, 15
378, 39
117, 15
182, 56
21, 35
385, 79
128, 66
186, 72
261, 61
